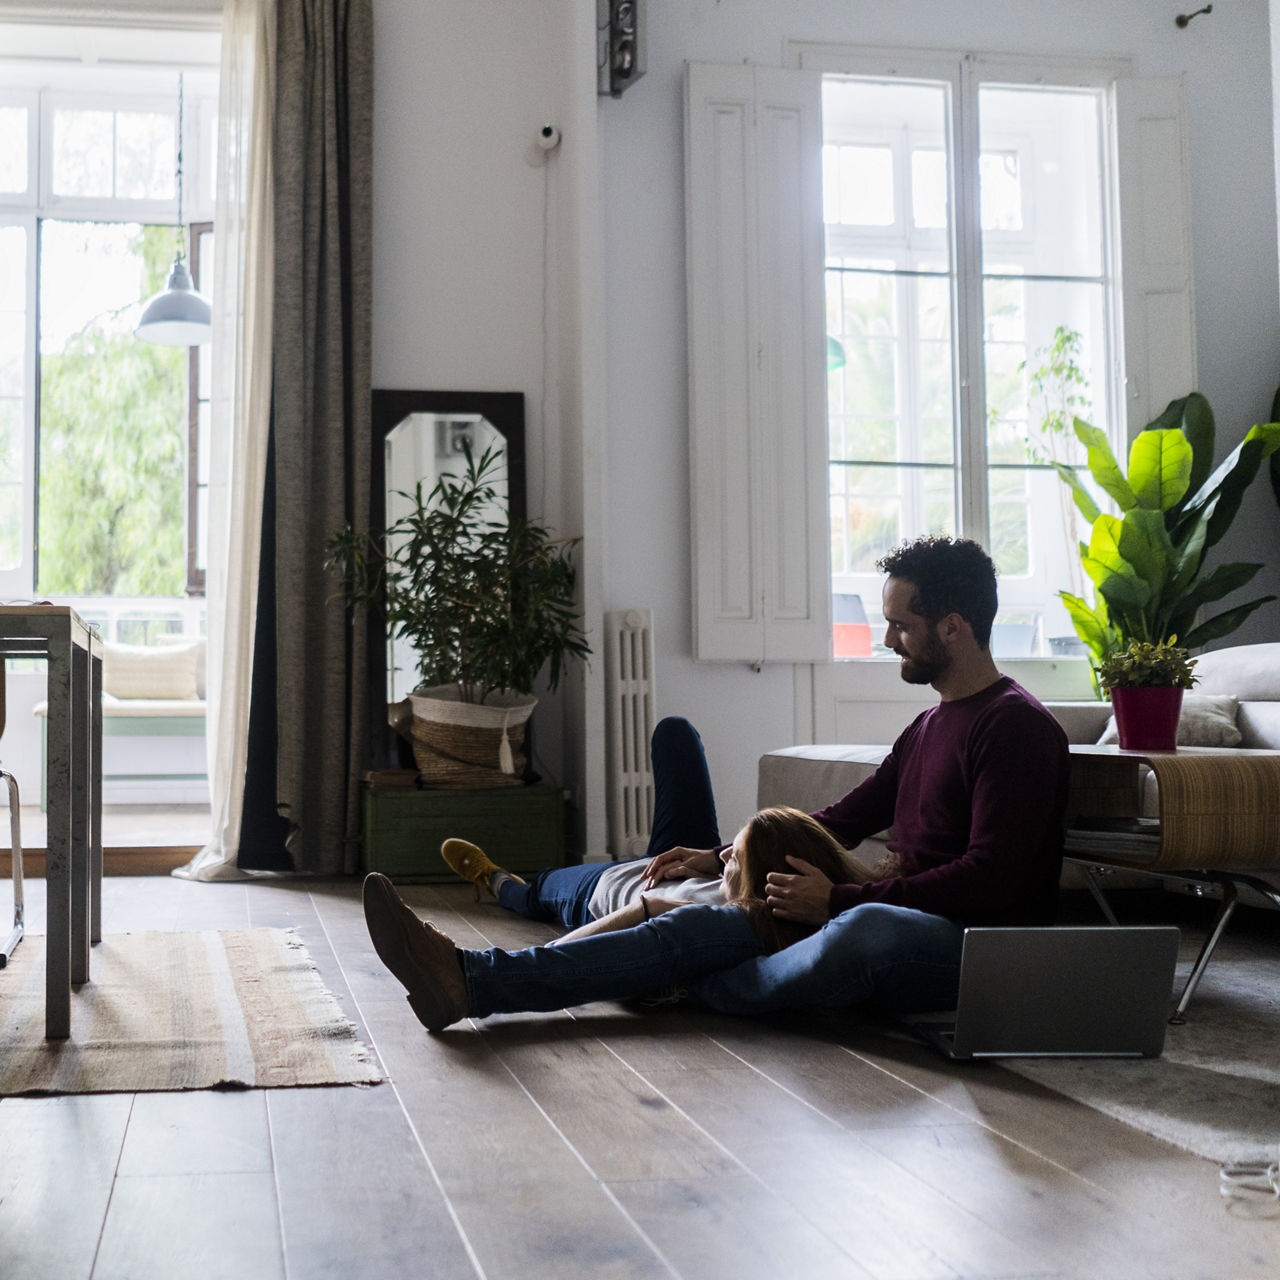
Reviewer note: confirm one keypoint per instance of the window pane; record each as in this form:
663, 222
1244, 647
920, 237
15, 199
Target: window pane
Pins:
866, 186
1035, 531
10, 526
145, 157
1045, 361
883, 151
13, 270
82, 152
10, 440
1001, 191
112, 418
1041, 172
10, 483
929, 188
13, 344
875, 508
13, 150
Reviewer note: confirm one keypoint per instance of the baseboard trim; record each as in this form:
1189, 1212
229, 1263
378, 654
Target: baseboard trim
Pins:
153, 860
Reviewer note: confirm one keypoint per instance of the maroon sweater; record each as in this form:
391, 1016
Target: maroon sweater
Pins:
975, 790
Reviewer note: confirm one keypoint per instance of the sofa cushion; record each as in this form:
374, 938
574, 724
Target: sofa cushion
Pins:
1259, 724
1249, 671
1206, 721
148, 671
177, 638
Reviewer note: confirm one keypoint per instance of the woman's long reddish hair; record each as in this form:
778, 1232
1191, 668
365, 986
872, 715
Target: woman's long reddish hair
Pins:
772, 834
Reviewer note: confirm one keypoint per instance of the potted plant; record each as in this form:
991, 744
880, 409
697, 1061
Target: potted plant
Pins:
486, 603
1148, 564
1145, 682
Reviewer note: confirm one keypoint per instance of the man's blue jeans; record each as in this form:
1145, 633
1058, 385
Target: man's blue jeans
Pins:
900, 959
684, 814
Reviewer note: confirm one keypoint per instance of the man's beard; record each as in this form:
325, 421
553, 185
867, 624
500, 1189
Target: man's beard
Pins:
929, 665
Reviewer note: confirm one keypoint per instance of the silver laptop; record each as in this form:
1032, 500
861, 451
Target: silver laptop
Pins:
1074, 991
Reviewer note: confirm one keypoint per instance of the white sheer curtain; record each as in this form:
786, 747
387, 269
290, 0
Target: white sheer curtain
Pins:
241, 408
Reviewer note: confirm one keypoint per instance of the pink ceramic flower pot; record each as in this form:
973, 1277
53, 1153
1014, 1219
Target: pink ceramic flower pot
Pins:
1147, 719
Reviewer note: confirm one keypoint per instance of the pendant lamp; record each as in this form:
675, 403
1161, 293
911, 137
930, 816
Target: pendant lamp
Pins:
177, 316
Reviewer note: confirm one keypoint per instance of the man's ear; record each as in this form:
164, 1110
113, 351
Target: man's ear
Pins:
953, 627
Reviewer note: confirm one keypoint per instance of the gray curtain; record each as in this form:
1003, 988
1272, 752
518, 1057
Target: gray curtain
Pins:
321, 407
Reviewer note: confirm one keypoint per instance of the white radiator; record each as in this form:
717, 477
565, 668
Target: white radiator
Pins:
628, 646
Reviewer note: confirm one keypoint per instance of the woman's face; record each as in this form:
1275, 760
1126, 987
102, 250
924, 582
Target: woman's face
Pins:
732, 858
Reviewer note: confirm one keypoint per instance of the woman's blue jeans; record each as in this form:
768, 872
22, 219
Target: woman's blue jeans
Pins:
902, 960
684, 813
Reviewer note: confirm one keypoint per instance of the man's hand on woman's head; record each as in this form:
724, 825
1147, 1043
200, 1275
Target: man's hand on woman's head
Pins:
805, 896
680, 863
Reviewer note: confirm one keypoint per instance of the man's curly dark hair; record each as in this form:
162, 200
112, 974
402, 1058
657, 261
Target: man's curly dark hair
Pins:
950, 575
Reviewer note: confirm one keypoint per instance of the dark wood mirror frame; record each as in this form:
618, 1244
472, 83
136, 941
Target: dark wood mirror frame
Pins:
505, 412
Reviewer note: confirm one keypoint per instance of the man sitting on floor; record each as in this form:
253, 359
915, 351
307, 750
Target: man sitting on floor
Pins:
975, 789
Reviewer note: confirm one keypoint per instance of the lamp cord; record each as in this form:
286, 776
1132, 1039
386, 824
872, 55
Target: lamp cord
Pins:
182, 246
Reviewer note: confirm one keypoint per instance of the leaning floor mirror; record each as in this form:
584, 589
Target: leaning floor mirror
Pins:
420, 436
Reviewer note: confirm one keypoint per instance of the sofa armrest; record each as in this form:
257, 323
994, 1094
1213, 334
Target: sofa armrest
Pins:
1081, 721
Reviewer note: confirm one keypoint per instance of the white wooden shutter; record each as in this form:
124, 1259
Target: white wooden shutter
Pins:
757, 399
1155, 247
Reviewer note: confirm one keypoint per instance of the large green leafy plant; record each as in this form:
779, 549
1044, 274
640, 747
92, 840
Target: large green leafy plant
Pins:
485, 603
1148, 562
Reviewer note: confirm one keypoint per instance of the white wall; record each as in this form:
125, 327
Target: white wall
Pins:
486, 276
462, 85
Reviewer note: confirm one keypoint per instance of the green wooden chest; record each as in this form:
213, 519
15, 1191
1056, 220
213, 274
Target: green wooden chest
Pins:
520, 828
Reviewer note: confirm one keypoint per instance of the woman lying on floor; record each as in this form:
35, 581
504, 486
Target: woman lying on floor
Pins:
652, 938
684, 816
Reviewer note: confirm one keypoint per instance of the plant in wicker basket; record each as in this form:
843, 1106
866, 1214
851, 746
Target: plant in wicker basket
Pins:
486, 604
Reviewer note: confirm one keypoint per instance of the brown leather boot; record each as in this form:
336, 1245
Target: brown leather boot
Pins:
423, 959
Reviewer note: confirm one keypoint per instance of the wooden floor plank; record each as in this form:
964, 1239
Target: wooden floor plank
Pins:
58, 1158
358, 1200
733, 1228
215, 1226
1043, 1206
622, 1128
202, 1131
1173, 1191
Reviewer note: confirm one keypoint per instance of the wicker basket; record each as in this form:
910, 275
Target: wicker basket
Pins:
468, 745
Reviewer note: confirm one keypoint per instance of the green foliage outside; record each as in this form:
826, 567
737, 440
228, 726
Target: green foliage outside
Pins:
113, 457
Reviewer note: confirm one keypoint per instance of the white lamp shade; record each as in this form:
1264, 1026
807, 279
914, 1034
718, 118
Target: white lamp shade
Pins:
177, 316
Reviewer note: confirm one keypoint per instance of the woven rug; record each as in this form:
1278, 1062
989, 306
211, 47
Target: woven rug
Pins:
1216, 1089
171, 1011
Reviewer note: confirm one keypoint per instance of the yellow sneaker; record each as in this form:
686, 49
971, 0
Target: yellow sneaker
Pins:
472, 863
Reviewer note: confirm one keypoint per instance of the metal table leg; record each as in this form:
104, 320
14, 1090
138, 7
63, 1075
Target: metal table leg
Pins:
15, 845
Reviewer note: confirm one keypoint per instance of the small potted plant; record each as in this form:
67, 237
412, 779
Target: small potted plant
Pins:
485, 603
1145, 682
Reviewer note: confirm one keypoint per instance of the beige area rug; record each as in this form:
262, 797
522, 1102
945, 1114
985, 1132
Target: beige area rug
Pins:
1216, 1089
171, 1011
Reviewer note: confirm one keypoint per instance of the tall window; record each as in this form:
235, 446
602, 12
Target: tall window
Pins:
970, 303
98, 461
